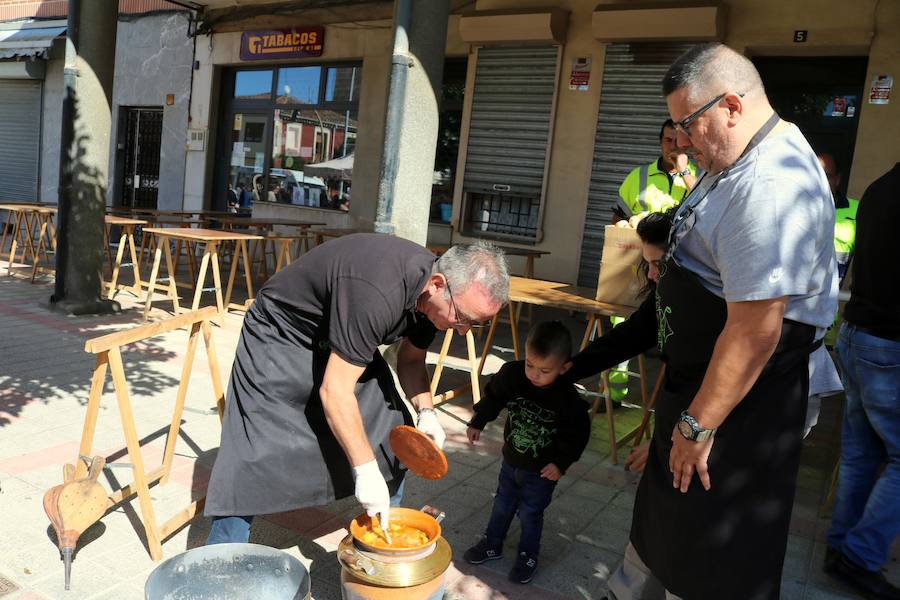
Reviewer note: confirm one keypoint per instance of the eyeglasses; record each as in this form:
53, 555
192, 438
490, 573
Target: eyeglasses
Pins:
684, 126
461, 319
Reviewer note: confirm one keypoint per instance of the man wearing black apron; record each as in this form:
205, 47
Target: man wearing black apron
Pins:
746, 291
311, 401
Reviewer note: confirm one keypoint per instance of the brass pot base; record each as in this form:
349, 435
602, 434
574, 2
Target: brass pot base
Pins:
396, 574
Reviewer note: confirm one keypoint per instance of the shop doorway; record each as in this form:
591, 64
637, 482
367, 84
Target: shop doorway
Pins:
823, 96
138, 151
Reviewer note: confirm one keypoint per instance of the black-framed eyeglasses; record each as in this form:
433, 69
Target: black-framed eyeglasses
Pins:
461, 319
684, 126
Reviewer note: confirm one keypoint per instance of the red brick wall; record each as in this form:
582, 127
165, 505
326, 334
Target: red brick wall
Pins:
21, 9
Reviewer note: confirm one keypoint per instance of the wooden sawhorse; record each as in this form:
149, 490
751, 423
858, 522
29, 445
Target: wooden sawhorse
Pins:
127, 226
474, 371
109, 355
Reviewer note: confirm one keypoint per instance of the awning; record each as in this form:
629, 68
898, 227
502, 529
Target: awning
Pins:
336, 167
30, 39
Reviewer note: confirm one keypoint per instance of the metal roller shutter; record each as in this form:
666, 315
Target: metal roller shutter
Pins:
20, 133
509, 136
632, 110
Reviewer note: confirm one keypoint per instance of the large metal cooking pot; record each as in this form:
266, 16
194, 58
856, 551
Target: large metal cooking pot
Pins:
229, 572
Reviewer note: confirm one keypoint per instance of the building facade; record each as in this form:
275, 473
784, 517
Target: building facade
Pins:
545, 107
151, 95
560, 100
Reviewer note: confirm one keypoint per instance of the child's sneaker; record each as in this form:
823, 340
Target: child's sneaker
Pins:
482, 552
526, 565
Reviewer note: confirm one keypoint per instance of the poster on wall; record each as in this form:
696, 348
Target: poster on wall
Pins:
840, 106
295, 42
580, 78
880, 92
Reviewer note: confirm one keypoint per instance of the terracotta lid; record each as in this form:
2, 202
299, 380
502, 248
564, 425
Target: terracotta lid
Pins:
418, 452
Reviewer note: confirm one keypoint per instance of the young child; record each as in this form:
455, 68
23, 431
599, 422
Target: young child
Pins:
547, 429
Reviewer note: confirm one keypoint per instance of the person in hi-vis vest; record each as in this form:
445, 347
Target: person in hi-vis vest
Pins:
844, 229
654, 187
659, 185
845, 215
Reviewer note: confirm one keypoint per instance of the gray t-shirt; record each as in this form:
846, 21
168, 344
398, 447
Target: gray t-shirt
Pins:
766, 230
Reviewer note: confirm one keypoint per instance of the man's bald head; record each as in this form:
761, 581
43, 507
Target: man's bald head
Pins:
710, 69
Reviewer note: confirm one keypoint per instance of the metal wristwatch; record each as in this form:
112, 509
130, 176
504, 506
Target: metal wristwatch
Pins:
691, 429
685, 173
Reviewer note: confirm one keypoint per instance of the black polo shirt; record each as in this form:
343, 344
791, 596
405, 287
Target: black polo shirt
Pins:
358, 292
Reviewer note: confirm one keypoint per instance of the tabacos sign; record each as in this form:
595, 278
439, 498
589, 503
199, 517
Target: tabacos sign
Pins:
296, 42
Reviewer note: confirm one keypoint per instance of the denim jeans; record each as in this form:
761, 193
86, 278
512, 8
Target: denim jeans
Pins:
866, 520
227, 530
528, 494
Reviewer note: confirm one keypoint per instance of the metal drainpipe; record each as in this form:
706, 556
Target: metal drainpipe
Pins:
400, 63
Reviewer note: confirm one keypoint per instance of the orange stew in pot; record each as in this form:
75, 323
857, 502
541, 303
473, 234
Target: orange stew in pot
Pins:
402, 536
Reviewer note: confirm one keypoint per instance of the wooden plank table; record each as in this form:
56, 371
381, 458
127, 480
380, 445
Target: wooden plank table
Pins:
147, 242
210, 238
552, 294
265, 226
32, 223
127, 237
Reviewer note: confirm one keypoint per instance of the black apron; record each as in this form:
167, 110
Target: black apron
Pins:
277, 451
728, 542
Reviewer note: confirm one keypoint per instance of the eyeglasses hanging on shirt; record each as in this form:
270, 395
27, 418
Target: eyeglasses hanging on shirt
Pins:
684, 218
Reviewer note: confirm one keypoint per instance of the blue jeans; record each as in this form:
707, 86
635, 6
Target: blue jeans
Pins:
227, 530
866, 520
528, 494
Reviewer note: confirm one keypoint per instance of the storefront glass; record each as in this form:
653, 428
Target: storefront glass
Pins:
252, 85
248, 151
292, 135
311, 137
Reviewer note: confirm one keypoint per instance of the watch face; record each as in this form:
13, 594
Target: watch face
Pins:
685, 430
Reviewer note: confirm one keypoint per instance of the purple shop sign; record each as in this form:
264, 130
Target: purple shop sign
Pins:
295, 42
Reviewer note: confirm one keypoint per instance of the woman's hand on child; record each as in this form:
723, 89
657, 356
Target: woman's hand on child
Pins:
637, 459
473, 434
551, 472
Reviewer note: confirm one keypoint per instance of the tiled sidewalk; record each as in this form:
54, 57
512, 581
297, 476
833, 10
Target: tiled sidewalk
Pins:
44, 379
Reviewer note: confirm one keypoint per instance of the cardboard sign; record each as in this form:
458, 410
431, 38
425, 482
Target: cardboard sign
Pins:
620, 281
296, 42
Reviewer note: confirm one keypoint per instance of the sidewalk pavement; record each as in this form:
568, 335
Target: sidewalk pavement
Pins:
44, 380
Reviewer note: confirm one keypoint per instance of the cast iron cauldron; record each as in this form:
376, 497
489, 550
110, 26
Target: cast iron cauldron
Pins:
229, 572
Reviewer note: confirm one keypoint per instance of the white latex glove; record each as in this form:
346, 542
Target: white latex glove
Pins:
428, 424
372, 491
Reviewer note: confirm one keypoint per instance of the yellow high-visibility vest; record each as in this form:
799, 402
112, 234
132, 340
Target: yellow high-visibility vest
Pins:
648, 189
